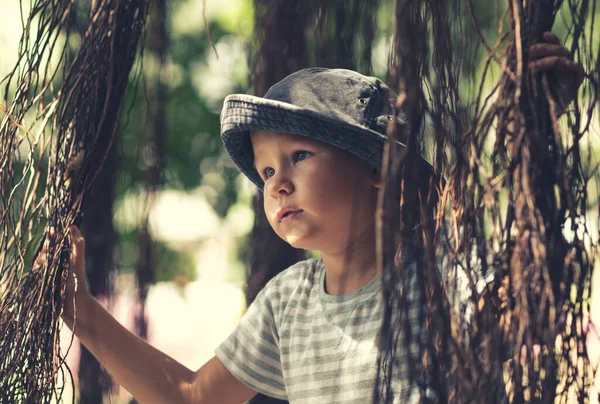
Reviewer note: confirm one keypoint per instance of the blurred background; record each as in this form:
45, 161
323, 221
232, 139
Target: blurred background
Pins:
168, 225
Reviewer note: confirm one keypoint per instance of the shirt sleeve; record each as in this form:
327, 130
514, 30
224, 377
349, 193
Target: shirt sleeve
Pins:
251, 353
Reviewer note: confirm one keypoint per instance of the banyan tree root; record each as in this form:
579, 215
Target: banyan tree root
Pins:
66, 145
510, 228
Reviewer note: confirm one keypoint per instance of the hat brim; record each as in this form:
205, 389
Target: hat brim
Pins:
244, 113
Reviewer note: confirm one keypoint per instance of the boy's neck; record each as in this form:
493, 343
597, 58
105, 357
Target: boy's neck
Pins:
352, 268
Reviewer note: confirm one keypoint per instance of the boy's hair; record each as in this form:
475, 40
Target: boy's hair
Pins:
340, 107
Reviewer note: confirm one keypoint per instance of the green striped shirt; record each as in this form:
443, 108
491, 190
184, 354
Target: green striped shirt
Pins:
300, 344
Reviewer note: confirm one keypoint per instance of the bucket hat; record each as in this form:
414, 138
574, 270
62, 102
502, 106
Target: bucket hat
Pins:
337, 106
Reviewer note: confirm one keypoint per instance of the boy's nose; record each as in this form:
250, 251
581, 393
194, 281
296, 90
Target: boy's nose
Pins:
280, 185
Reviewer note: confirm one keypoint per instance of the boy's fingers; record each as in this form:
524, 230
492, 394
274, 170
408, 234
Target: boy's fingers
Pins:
550, 37
50, 237
556, 64
78, 253
75, 233
43, 254
543, 50
40, 260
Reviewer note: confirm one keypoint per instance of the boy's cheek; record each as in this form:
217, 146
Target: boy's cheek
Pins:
271, 217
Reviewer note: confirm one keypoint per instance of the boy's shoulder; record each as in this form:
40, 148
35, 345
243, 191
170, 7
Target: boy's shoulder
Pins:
295, 283
290, 287
301, 272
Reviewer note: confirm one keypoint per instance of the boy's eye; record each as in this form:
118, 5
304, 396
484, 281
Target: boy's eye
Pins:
268, 172
301, 155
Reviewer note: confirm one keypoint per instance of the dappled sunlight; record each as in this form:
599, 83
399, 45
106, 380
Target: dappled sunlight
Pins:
236, 15
10, 33
217, 77
176, 216
191, 325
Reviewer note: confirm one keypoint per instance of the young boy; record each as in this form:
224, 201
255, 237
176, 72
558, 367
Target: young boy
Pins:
313, 144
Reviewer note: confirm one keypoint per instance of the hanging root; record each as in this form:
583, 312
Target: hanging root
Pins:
63, 138
510, 228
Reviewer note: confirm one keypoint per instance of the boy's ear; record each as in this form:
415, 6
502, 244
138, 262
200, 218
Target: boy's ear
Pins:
376, 177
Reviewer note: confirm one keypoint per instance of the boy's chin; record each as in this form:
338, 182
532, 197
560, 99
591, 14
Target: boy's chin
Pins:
297, 242
294, 242
301, 238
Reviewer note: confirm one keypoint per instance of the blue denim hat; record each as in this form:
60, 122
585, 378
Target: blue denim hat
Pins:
336, 106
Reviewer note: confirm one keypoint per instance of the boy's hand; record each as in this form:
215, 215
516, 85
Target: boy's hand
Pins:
76, 280
550, 56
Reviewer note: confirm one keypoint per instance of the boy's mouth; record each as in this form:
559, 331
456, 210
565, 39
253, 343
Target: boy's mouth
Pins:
284, 214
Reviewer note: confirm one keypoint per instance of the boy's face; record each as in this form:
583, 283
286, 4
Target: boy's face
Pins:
329, 195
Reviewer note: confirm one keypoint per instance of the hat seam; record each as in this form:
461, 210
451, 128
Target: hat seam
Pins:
305, 113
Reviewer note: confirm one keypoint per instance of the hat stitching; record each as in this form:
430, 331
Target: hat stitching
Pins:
271, 110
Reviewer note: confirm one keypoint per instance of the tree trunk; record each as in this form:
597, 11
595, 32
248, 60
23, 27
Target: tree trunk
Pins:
153, 158
97, 225
345, 32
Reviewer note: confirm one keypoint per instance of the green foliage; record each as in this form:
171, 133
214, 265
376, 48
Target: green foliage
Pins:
170, 264
192, 127
174, 265
193, 150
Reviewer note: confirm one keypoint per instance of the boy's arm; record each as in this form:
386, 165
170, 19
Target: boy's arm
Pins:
148, 374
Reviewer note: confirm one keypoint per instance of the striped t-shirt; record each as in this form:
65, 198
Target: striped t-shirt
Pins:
298, 343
